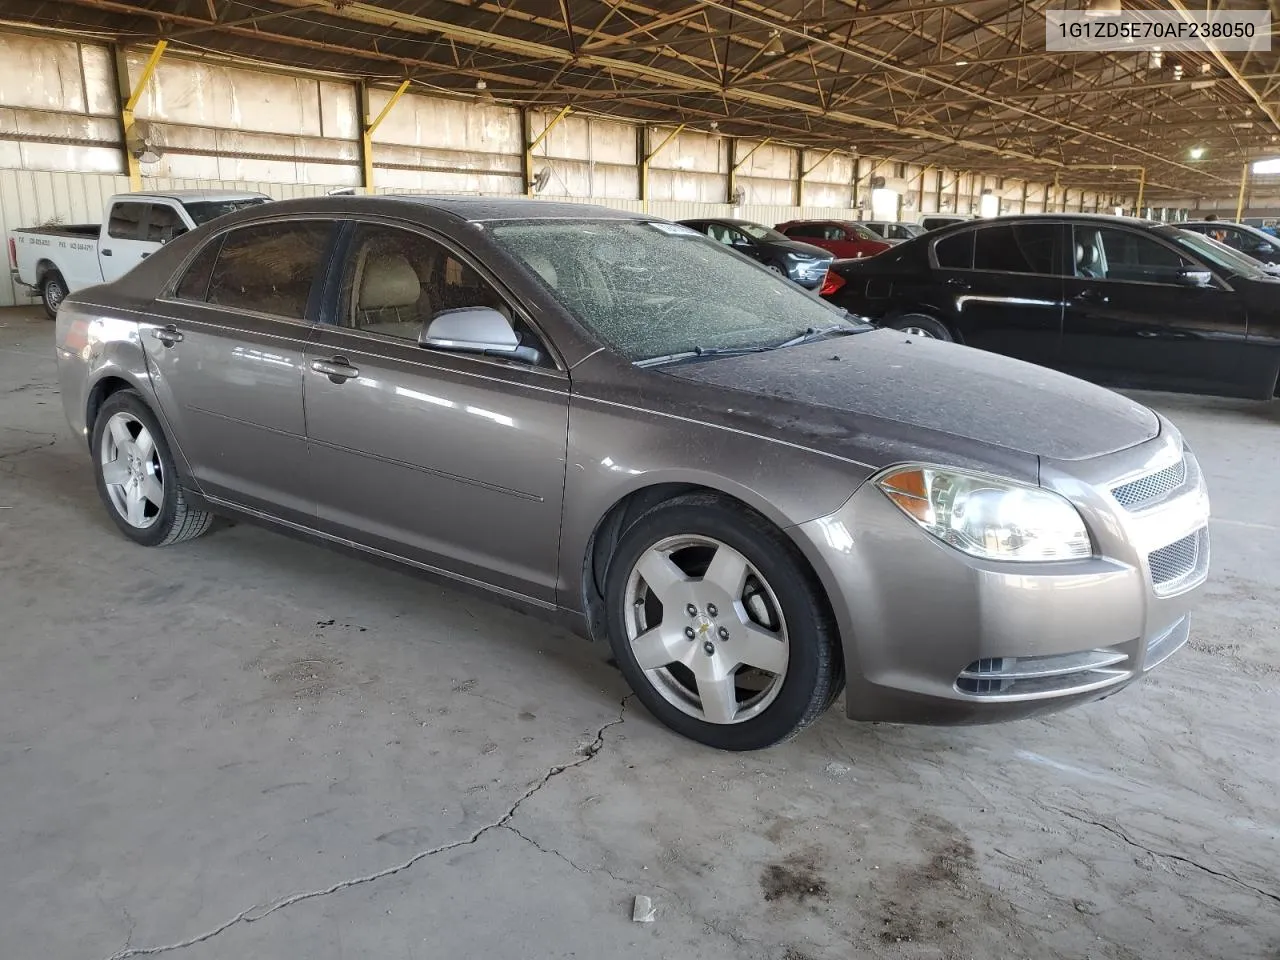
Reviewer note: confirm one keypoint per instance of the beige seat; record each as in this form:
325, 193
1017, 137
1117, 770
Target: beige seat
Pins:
390, 299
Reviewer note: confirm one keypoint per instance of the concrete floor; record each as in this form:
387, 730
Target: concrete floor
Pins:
248, 746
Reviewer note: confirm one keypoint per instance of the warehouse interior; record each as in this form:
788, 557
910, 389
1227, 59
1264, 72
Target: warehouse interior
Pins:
249, 746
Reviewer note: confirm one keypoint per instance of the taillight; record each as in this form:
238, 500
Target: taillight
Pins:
831, 284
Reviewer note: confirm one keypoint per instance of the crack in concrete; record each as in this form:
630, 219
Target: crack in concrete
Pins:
553, 852
253, 914
1117, 832
22, 450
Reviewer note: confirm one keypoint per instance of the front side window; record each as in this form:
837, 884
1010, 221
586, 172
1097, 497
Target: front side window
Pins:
126, 221
1017, 248
397, 280
164, 224
1110, 253
269, 267
643, 287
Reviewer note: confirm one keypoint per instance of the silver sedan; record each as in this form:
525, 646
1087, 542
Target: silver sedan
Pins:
755, 499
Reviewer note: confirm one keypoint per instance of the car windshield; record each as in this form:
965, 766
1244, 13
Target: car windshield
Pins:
759, 232
1217, 253
653, 289
202, 211
911, 229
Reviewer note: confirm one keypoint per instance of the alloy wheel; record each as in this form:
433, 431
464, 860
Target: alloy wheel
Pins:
132, 471
706, 628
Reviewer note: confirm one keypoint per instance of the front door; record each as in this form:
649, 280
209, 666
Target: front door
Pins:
1132, 319
225, 355
456, 462
1003, 284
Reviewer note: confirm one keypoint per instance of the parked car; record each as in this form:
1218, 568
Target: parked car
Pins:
844, 238
935, 221
56, 260
614, 421
802, 262
1116, 300
893, 231
1253, 242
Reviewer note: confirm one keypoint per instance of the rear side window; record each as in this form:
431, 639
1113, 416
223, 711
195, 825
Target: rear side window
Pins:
269, 267
194, 284
956, 251
126, 221
1017, 248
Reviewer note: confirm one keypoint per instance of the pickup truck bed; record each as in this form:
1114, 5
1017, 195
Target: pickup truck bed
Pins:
68, 230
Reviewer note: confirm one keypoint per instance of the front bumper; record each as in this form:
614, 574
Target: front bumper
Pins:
932, 635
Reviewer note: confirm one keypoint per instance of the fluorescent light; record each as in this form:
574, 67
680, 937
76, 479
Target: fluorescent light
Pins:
962, 63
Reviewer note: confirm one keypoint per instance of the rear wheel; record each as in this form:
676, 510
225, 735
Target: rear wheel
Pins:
921, 325
53, 290
719, 626
136, 476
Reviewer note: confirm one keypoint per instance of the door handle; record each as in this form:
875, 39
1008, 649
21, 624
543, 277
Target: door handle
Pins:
167, 335
106, 253
336, 369
1092, 296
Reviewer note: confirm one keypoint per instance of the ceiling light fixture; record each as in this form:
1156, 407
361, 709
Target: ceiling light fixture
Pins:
1206, 68
1177, 71
1156, 59
1197, 153
482, 89
962, 63
774, 47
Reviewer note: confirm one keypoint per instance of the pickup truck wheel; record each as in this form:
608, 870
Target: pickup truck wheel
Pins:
719, 626
53, 290
136, 476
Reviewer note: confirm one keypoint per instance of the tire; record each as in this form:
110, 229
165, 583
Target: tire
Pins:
921, 325
53, 290
153, 514
704, 691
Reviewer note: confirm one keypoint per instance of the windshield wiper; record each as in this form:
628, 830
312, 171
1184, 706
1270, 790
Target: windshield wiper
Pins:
814, 333
697, 353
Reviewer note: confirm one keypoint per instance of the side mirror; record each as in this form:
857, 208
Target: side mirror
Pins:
742, 242
1193, 277
481, 330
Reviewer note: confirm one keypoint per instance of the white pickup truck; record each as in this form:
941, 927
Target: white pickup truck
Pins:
56, 260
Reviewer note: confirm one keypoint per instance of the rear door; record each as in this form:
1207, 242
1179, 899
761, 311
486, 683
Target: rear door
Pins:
1004, 286
1131, 320
226, 359
123, 243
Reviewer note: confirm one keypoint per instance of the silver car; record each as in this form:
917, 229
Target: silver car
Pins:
755, 499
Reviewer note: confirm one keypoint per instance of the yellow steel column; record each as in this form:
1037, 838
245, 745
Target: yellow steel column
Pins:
644, 164
528, 151
370, 125
130, 103
1142, 188
1244, 182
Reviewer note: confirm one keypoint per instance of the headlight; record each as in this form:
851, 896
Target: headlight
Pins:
989, 518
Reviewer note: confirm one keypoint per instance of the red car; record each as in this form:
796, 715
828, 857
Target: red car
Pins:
844, 238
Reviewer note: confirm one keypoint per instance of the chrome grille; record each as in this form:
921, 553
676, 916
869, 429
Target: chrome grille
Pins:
1179, 564
1153, 486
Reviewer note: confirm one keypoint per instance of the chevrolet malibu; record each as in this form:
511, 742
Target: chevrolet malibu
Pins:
757, 500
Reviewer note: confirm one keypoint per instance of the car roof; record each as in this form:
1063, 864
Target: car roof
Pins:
476, 209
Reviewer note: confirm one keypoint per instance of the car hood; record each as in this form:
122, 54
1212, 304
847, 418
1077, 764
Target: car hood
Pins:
938, 387
796, 246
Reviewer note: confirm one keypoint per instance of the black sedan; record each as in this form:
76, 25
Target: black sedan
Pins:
802, 262
1120, 301
1252, 242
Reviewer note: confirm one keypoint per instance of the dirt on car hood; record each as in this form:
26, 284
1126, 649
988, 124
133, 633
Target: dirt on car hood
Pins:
943, 387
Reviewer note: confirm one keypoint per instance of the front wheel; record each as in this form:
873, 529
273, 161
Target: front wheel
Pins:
774, 268
719, 626
136, 476
53, 290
